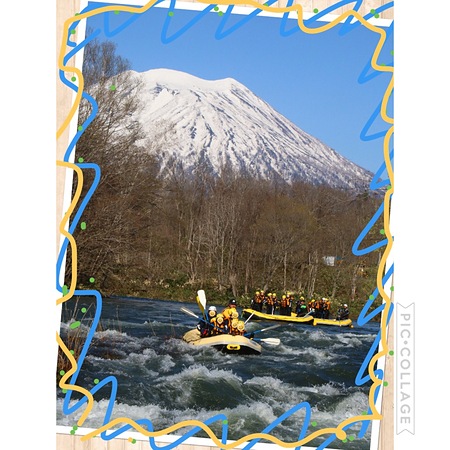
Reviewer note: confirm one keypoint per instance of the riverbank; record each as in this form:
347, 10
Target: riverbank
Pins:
217, 298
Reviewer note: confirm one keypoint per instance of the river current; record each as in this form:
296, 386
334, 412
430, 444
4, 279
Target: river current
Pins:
140, 368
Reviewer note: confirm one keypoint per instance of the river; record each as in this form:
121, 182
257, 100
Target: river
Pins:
140, 368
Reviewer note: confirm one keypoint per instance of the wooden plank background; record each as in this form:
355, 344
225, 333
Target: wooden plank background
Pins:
64, 98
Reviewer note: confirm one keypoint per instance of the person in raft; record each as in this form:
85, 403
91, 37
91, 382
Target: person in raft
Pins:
206, 328
257, 301
229, 314
343, 313
302, 308
237, 327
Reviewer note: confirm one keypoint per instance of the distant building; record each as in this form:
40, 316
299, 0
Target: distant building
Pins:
329, 260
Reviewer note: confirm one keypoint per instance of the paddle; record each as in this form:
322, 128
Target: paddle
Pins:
263, 329
249, 317
201, 301
271, 341
191, 313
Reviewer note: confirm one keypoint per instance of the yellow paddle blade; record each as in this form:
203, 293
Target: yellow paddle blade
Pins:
201, 300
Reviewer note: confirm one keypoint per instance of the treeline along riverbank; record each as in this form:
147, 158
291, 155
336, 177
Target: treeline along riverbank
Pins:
230, 236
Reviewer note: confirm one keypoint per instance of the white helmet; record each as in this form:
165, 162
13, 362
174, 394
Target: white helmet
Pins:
212, 308
345, 305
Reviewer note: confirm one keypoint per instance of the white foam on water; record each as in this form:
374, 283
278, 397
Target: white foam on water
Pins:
202, 371
351, 405
329, 389
243, 417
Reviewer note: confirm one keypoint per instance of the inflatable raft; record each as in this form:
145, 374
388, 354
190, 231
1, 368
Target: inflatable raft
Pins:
333, 322
310, 320
256, 315
226, 343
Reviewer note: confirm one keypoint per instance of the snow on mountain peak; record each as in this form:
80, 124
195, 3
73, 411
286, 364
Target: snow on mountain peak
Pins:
221, 122
185, 81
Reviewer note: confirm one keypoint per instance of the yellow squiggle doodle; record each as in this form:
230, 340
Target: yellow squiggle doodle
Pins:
61, 65
340, 433
62, 226
64, 385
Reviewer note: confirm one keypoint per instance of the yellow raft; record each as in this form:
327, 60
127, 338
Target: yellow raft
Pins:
226, 343
333, 322
246, 313
310, 320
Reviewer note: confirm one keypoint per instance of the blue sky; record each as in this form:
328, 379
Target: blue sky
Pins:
322, 83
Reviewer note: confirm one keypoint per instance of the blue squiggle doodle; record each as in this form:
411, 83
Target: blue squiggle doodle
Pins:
355, 249
106, 23
77, 217
377, 182
360, 379
98, 309
364, 136
368, 73
193, 432
285, 415
220, 34
348, 26
165, 39
363, 318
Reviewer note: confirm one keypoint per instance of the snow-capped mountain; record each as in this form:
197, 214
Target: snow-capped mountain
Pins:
222, 122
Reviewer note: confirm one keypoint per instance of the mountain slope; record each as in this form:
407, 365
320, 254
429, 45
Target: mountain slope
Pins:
222, 122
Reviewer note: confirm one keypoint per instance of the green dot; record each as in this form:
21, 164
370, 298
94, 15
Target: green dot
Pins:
392, 288
314, 423
64, 391
83, 225
344, 440
96, 381
75, 427
382, 231
72, 431
80, 128
170, 13
371, 297
65, 290
133, 441
112, 87
116, 12
92, 279
392, 52
74, 78
315, 10
364, 413
377, 15
225, 422
372, 11
72, 31
391, 352
220, 13
351, 438
385, 383
75, 325
83, 310
80, 160
62, 372
216, 8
